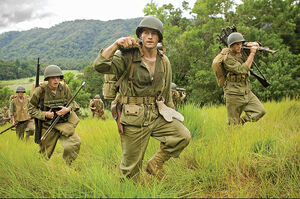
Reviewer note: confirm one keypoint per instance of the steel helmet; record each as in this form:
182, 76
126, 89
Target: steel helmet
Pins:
20, 89
52, 71
234, 38
153, 23
97, 96
173, 86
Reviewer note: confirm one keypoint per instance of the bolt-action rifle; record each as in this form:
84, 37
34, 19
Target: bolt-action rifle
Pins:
58, 117
12, 126
37, 122
222, 38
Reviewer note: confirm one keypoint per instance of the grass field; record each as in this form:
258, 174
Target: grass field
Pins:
251, 161
27, 82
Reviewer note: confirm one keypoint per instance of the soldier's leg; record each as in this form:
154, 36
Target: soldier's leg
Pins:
134, 142
29, 129
174, 137
254, 110
20, 129
234, 105
47, 146
71, 147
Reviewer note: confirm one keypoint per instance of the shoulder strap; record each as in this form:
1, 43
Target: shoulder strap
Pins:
165, 70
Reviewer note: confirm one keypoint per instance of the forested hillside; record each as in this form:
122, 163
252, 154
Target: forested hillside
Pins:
72, 44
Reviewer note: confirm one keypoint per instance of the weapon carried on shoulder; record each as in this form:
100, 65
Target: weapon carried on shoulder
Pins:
222, 38
12, 126
58, 117
180, 89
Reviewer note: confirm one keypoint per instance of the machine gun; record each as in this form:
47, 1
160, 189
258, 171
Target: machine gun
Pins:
222, 38
56, 119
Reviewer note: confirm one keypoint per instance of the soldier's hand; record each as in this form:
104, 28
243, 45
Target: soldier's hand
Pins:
253, 49
127, 42
49, 114
63, 110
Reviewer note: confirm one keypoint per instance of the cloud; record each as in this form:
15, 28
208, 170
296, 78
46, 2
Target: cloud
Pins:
16, 11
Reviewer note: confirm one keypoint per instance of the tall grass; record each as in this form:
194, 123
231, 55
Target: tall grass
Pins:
255, 160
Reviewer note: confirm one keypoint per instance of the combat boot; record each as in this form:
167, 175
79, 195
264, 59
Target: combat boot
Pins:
155, 164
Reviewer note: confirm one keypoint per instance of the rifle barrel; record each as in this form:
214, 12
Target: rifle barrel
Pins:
263, 49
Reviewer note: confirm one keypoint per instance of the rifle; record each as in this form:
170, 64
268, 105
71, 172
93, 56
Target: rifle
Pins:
58, 117
180, 89
12, 126
37, 122
223, 39
260, 48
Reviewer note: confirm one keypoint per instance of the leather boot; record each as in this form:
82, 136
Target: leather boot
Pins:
155, 164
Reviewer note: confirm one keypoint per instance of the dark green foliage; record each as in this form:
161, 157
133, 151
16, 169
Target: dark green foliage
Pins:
5, 93
71, 45
16, 69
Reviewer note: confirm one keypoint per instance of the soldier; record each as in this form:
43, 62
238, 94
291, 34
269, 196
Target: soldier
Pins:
97, 107
49, 100
177, 96
18, 110
4, 116
237, 88
145, 96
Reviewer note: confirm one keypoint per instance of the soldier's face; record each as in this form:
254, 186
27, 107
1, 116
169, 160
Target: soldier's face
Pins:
20, 95
237, 47
53, 82
149, 38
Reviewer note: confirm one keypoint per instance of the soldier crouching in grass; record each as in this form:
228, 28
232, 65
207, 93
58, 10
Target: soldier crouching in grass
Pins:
145, 97
19, 113
48, 100
97, 107
237, 88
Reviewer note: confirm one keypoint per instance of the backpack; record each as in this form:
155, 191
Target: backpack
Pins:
218, 68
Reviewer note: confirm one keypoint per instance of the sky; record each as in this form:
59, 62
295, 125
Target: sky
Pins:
18, 15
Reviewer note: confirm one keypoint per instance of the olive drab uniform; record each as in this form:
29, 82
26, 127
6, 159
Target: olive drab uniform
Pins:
19, 109
99, 105
65, 129
140, 115
176, 98
237, 91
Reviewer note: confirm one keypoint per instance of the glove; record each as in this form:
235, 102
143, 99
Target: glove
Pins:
167, 112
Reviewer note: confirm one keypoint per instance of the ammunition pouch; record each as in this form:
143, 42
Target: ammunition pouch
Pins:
236, 78
137, 100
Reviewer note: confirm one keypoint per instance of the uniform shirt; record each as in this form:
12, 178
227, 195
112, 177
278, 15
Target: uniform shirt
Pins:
143, 84
51, 100
98, 103
235, 64
19, 109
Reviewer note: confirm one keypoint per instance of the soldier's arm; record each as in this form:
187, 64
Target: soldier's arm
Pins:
111, 61
234, 66
33, 109
12, 109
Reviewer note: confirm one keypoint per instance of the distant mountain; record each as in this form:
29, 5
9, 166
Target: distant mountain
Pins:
72, 44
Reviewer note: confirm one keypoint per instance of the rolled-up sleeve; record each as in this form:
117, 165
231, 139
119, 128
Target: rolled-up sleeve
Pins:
234, 66
33, 105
